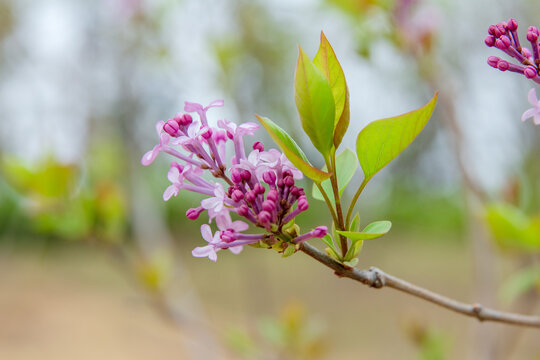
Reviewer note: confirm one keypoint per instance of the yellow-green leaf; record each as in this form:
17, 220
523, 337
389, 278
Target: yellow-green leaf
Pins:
326, 61
315, 103
382, 140
292, 150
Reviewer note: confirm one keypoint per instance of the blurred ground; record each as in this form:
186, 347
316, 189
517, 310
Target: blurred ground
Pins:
75, 304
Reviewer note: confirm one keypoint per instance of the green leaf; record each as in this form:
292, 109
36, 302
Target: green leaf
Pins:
354, 250
327, 239
326, 61
289, 251
292, 150
520, 283
351, 263
382, 140
315, 103
372, 231
355, 224
333, 254
346, 165
513, 229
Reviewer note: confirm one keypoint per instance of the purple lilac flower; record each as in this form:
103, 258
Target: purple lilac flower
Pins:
504, 37
533, 112
259, 187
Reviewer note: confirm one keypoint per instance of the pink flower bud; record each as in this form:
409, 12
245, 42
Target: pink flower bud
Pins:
512, 24
269, 177
503, 43
303, 204
259, 189
533, 29
493, 61
258, 146
272, 195
227, 236
294, 191
264, 217
503, 65
171, 127
236, 176
243, 210
288, 181
246, 175
194, 213
319, 231
269, 205
491, 30
250, 196
280, 183
237, 196
532, 36
489, 40
185, 119
530, 72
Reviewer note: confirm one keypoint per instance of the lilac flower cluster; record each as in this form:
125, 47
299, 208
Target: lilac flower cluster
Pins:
259, 186
504, 37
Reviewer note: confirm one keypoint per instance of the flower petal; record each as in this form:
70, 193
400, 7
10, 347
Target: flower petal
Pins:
236, 249
532, 97
150, 156
205, 251
206, 233
169, 192
174, 175
215, 103
239, 226
527, 114
192, 107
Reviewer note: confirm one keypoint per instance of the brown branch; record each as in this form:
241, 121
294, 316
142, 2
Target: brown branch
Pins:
378, 279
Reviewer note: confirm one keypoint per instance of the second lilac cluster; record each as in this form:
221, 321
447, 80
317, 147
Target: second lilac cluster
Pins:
504, 37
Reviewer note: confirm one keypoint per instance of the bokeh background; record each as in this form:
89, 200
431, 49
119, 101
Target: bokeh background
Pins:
93, 264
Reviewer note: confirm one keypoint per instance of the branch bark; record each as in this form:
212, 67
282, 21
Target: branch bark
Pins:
378, 279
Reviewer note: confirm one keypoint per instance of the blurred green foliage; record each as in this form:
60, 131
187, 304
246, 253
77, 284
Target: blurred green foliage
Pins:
293, 334
63, 201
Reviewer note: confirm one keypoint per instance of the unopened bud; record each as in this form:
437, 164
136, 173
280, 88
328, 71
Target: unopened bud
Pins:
319, 231
269, 177
258, 146
237, 195
194, 213
303, 204
171, 127
530, 72
264, 217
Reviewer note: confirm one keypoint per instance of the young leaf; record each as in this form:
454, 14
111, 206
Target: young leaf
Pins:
355, 224
372, 231
346, 165
292, 150
382, 140
315, 103
326, 61
327, 239
354, 250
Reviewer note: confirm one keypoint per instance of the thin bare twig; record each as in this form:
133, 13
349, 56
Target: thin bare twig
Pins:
378, 279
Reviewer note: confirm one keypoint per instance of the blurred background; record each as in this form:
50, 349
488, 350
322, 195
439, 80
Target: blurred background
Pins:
93, 264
